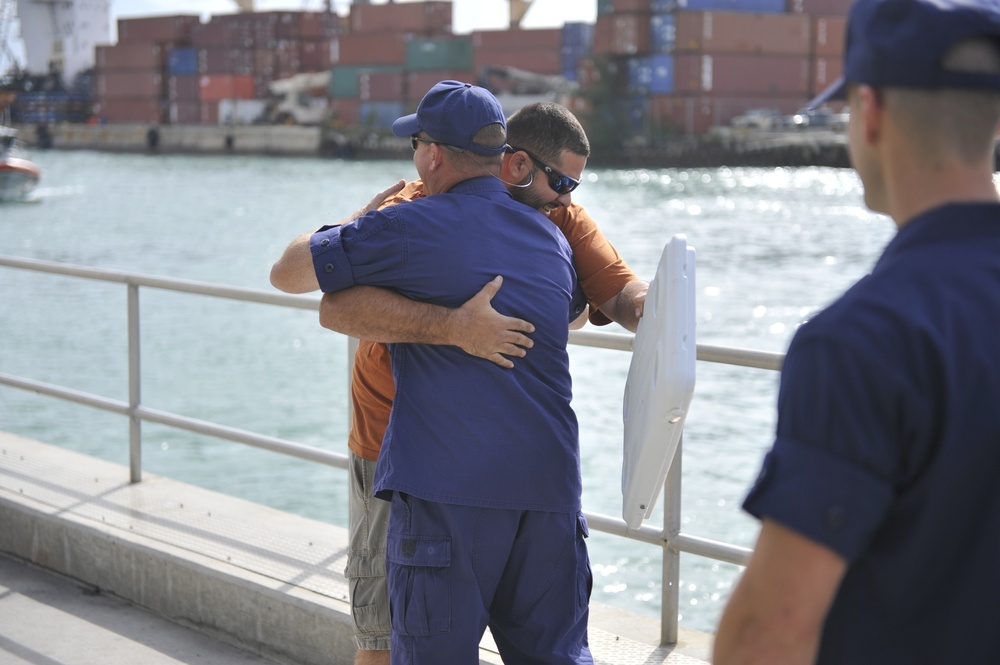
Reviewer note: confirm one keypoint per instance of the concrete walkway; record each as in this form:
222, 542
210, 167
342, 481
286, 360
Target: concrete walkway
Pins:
100, 571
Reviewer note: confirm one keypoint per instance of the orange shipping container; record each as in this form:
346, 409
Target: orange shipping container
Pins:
549, 38
129, 84
134, 55
212, 88
370, 49
130, 110
623, 34
424, 18
727, 74
828, 36
735, 32
178, 28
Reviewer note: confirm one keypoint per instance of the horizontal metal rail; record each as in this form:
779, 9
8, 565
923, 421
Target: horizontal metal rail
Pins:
672, 543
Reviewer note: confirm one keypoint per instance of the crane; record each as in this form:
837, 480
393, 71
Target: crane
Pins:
518, 8
6, 19
244, 5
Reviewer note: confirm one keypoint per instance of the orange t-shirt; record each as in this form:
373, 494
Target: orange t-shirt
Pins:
600, 270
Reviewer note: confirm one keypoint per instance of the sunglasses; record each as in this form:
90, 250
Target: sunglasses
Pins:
414, 140
559, 182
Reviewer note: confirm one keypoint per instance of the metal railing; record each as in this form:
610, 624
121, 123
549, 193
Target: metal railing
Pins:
668, 537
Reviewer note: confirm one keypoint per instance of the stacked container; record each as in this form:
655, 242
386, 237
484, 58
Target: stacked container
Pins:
686, 65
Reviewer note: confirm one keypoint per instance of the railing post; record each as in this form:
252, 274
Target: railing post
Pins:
352, 347
134, 387
670, 602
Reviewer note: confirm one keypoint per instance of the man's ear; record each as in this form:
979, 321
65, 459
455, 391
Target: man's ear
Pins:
871, 104
519, 165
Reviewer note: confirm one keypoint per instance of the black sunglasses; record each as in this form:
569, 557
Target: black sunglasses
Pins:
559, 182
414, 140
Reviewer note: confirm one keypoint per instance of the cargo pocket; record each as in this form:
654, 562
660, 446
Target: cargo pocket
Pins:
419, 584
585, 578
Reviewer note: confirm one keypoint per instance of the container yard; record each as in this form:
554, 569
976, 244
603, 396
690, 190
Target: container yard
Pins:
646, 75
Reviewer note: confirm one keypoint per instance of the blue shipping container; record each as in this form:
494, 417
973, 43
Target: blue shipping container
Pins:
758, 6
182, 61
380, 115
651, 74
664, 33
571, 56
578, 35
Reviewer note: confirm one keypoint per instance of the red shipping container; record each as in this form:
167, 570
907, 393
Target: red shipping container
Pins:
178, 28
345, 113
129, 84
184, 113
623, 34
820, 7
381, 86
620, 6
226, 60
371, 49
183, 88
829, 34
738, 32
212, 88
416, 84
130, 110
135, 55
825, 72
423, 18
314, 54
287, 56
209, 113
540, 62
548, 38
697, 114
728, 74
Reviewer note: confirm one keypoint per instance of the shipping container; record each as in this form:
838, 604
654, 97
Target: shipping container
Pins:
697, 114
578, 35
440, 53
178, 28
422, 18
345, 113
544, 61
535, 39
754, 6
314, 54
212, 88
385, 86
623, 34
663, 33
605, 7
371, 49
226, 60
379, 116
150, 111
829, 34
571, 57
183, 88
728, 74
734, 32
184, 112
825, 72
129, 84
134, 55
344, 80
820, 7
621, 6
651, 74
182, 61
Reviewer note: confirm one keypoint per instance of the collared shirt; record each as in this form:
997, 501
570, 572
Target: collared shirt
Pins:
888, 446
462, 429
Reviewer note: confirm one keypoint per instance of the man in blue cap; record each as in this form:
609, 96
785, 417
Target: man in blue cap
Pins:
480, 462
881, 517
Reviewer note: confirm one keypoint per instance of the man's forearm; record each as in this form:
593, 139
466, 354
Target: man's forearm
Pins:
625, 308
294, 272
380, 315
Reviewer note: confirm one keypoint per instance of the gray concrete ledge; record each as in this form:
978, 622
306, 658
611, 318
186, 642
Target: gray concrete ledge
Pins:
267, 581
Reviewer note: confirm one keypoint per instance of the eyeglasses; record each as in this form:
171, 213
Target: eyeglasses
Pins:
414, 140
559, 182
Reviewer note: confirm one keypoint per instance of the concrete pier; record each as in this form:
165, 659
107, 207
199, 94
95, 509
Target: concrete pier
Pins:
191, 571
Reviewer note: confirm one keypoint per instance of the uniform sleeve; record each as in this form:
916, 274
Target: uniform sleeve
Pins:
600, 269
831, 472
369, 250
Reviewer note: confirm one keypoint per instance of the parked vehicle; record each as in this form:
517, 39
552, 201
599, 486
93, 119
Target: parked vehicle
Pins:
763, 119
821, 118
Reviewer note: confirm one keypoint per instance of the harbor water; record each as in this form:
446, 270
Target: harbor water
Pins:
773, 246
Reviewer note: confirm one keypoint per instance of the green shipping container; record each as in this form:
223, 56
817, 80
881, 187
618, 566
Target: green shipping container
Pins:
430, 54
344, 80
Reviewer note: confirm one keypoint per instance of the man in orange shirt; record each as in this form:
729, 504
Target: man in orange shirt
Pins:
549, 152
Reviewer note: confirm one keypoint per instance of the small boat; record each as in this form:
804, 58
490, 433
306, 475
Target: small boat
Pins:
18, 174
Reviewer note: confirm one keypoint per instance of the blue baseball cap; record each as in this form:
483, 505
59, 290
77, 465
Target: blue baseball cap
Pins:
453, 112
902, 44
